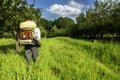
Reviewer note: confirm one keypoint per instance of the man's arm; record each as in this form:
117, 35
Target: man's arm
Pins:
38, 33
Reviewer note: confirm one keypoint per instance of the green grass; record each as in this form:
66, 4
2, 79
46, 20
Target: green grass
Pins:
62, 58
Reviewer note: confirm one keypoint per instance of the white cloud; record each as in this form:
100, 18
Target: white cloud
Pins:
75, 4
72, 9
63, 10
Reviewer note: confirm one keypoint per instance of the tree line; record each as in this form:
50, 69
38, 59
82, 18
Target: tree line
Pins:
99, 21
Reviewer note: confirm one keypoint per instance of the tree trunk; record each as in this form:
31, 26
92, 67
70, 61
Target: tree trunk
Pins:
17, 46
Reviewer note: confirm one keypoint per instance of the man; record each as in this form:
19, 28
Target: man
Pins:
32, 50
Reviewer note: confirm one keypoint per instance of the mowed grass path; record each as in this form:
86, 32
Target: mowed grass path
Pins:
62, 58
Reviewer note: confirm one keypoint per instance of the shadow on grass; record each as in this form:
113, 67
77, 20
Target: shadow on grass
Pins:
4, 49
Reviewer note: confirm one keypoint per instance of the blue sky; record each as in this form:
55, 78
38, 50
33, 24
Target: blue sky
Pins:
53, 9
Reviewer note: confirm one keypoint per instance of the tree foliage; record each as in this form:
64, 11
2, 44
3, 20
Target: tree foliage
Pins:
64, 26
63, 22
46, 23
102, 19
15, 11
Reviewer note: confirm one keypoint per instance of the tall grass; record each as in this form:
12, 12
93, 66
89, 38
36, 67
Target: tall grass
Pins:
62, 58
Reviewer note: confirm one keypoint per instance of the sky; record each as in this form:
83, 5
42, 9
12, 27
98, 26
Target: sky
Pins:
52, 9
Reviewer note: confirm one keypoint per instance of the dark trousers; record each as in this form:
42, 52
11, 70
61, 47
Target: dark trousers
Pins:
31, 51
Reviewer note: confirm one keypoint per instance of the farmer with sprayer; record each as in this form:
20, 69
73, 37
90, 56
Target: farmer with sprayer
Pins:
30, 37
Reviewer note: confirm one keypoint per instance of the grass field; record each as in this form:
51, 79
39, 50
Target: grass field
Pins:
62, 58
